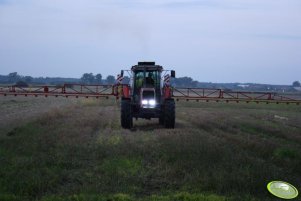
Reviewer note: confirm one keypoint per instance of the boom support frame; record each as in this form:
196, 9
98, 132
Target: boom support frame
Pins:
106, 91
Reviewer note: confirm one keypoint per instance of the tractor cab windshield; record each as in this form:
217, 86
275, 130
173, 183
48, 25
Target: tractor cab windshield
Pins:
149, 80
146, 79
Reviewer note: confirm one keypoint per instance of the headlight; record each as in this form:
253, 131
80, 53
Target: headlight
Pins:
144, 102
152, 102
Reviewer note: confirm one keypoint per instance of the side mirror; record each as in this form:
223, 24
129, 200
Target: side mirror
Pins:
121, 73
173, 74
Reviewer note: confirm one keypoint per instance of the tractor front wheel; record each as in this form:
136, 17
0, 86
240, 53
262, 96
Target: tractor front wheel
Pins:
169, 114
161, 119
126, 114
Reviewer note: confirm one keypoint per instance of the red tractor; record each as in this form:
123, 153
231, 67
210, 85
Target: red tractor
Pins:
148, 95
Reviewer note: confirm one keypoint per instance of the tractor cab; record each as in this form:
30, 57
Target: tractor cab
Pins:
149, 95
146, 84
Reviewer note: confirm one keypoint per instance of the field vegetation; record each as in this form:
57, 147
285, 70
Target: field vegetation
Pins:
75, 149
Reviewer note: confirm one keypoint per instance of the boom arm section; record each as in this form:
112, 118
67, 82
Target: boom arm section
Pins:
66, 90
204, 94
106, 91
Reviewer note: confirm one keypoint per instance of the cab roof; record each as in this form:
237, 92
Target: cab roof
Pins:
147, 65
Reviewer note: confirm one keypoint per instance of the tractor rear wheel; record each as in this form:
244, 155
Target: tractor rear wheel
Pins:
169, 114
126, 114
161, 119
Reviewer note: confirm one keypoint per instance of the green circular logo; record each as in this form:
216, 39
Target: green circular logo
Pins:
282, 189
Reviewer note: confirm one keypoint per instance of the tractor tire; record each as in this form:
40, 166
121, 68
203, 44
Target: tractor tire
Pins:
126, 114
161, 119
169, 114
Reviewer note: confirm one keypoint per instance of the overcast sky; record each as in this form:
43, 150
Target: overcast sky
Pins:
209, 40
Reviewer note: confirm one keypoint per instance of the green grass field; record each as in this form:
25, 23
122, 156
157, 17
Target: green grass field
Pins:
75, 149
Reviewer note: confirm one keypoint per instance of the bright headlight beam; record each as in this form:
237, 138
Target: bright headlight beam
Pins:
152, 102
144, 102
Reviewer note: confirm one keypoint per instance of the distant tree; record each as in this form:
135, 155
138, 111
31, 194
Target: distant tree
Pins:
185, 82
296, 84
194, 84
28, 79
40, 80
21, 84
110, 79
13, 77
98, 78
88, 78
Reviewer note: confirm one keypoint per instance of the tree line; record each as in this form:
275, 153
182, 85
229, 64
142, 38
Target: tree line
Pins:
15, 78
90, 78
86, 78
